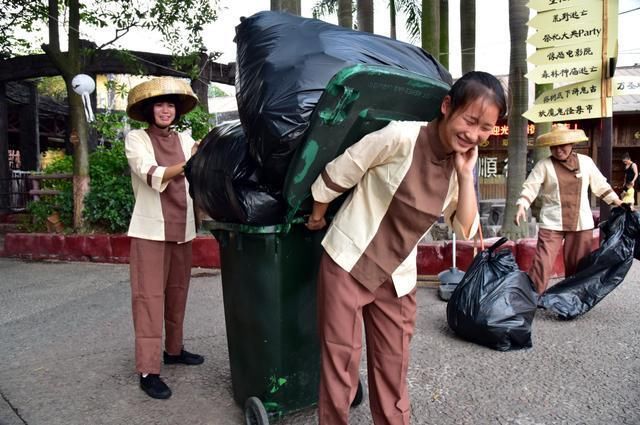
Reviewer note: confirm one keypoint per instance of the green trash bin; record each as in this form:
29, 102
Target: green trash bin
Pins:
269, 272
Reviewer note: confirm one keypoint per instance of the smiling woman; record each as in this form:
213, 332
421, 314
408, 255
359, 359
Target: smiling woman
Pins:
162, 227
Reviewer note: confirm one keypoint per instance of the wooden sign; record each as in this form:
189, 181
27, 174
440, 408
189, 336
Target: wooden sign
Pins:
572, 72
586, 90
591, 50
569, 111
542, 5
586, 11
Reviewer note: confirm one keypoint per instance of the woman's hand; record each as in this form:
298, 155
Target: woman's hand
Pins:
520, 214
316, 223
464, 162
316, 220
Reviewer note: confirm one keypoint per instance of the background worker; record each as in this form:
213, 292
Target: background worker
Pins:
630, 173
562, 180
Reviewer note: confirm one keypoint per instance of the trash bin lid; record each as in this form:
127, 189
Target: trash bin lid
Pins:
358, 100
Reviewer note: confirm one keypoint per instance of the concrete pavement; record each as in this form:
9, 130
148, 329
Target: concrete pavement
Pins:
66, 341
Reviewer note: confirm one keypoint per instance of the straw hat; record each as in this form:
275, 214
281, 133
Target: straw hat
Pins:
162, 86
560, 134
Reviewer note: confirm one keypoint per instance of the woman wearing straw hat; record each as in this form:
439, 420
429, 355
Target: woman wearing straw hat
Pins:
162, 227
561, 181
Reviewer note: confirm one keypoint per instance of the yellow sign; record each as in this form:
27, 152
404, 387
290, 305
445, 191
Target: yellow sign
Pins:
586, 90
569, 111
542, 5
586, 11
573, 72
561, 36
571, 53
626, 84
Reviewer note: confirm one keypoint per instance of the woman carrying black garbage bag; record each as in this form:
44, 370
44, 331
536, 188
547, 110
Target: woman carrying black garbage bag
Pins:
404, 177
162, 227
562, 180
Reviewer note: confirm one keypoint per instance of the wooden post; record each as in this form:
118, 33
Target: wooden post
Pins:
30, 132
606, 122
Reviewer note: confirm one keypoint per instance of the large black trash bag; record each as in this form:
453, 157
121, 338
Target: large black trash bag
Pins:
223, 180
284, 62
599, 273
495, 303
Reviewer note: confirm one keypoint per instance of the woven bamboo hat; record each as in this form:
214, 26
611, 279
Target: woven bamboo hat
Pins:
162, 86
560, 134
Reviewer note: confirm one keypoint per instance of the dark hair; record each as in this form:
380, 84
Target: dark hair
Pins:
475, 85
147, 107
626, 156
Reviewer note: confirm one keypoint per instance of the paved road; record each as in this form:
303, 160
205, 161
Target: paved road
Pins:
67, 348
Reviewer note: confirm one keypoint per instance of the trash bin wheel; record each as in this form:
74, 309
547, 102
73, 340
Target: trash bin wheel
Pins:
359, 394
254, 412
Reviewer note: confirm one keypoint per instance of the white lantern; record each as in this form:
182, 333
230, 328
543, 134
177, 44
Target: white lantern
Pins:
84, 86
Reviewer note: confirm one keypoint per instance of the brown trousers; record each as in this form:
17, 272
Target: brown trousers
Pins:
389, 321
160, 273
577, 245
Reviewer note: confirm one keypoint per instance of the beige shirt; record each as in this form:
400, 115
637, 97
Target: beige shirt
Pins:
563, 190
162, 211
403, 181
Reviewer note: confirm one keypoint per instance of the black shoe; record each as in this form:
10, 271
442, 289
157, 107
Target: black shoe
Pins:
154, 386
184, 357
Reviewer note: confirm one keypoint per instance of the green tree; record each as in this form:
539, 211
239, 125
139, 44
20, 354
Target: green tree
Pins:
180, 22
518, 101
365, 15
444, 56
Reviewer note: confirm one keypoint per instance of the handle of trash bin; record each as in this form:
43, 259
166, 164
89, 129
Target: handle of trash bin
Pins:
341, 110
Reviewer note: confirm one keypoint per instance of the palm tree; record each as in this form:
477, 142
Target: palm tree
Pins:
345, 13
444, 33
468, 34
430, 33
518, 101
291, 6
365, 15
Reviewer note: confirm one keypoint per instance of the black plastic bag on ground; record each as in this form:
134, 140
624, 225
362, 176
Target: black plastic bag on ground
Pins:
601, 272
284, 62
223, 180
495, 303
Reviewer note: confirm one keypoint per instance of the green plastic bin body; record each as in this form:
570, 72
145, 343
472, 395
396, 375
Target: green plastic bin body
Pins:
269, 272
269, 290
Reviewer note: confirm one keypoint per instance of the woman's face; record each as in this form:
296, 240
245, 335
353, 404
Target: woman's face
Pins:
626, 162
465, 128
561, 152
164, 113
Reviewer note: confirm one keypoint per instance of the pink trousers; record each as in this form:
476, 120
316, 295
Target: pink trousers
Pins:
577, 245
343, 305
160, 273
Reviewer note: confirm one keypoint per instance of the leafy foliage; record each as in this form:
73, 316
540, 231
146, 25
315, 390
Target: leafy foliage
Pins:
180, 22
109, 203
198, 120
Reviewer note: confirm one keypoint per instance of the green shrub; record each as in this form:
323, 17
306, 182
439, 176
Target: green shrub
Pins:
47, 204
109, 203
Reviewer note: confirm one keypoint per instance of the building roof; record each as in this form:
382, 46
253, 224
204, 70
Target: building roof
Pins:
631, 102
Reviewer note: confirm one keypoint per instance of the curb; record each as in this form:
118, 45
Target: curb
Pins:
432, 258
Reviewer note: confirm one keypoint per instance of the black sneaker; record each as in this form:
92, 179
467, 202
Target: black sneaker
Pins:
184, 357
154, 386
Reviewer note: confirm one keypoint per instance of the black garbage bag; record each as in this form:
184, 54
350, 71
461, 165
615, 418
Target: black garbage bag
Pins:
599, 273
224, 180
284, 62
495, 303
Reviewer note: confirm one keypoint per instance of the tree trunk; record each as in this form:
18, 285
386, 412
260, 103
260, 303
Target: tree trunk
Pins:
289, 6
345, 13
517, 152
540, 153
392, 19
430, 28
365, 15
468, 35
70, 65
444, 33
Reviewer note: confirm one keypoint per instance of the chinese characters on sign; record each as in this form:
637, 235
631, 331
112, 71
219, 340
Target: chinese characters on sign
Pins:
14, 159
488, 166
